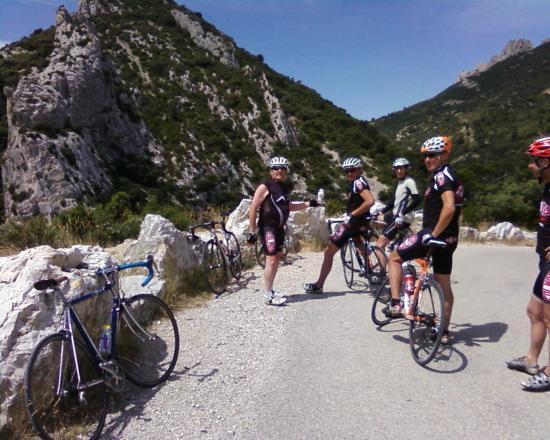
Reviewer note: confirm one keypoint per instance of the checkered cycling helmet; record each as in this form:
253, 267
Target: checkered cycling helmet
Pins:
438, 144
540, 148
278, 161
401, 162
351, 162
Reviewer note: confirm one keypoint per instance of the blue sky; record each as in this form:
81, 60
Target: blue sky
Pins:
370, 57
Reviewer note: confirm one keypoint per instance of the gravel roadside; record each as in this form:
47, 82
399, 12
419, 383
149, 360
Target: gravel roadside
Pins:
229, 348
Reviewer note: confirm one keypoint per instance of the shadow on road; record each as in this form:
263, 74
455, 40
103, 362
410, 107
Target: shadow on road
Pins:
473, 335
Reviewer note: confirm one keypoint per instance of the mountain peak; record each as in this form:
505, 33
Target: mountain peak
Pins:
512, 48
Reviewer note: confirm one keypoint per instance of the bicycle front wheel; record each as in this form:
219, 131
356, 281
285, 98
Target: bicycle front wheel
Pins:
234, 256
348, 256
380, 307
59, 406
215, 267
427, 323
148, 340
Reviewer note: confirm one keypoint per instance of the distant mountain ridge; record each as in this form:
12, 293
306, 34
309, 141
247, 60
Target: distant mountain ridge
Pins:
146, 97
492, 118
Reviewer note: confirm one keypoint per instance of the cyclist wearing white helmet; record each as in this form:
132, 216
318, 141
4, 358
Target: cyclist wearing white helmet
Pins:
397, 213
442, 206
271, 199
360, 200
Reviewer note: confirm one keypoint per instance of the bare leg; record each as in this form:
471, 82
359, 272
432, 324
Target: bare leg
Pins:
535, 312
445, 283
547, 323
396, 273
271, 268
326, 267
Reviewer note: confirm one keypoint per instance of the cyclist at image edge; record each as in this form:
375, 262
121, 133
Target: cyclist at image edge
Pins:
442, 206
271, 198
359, 202
397, 214
538, 308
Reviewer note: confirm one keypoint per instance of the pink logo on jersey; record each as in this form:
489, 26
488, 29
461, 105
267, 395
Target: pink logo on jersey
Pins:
440, 179
270, 243
408, 242
338, 233
359, 185
546, 288
544, 212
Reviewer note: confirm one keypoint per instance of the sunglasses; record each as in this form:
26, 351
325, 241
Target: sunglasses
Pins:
430, 155
350, 170
279, 168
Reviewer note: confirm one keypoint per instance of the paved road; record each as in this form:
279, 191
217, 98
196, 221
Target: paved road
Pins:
319, 369
347, 380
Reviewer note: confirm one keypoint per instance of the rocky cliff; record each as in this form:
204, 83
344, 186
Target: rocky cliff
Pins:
146, 97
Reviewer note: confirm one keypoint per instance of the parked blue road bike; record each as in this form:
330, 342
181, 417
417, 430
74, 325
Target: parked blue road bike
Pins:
67, 377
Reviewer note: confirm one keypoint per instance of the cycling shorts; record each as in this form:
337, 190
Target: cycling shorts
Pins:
442, 258
273, 239
351, 230
392, 229
541, 289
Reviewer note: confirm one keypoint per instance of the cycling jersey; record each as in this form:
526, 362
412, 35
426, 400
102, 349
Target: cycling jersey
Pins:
354, 198
444, 179
543, 231
403, 200
274, 210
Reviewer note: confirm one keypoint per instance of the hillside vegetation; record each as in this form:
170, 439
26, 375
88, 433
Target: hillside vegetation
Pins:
491, 123
217, 122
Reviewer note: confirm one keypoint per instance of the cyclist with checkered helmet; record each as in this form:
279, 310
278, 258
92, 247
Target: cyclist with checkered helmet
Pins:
442, 207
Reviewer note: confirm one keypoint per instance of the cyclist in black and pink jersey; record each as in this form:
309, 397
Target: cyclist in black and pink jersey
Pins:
442, 206
538, 309
271, 198
360, 200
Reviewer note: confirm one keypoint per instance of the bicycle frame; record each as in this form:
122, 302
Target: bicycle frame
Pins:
70, 316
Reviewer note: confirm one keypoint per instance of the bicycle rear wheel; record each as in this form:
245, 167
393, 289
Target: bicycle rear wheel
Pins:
59, 407
426, 328
215, 267
234, 257
259, 250
147, 340
347, 253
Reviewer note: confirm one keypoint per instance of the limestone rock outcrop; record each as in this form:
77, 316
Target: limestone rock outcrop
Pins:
65, 124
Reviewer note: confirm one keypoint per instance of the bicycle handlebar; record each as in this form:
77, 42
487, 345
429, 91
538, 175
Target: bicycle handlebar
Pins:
148, 263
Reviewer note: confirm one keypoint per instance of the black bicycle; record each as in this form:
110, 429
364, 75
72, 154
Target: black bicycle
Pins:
67, 377
219, 255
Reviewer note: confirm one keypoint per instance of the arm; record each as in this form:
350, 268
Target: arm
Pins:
368, 201
297, 206
259, 196
447, 212
416, 199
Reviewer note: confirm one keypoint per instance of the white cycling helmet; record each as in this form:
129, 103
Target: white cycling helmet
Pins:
401, 162
278, 161
351, 162
438, 144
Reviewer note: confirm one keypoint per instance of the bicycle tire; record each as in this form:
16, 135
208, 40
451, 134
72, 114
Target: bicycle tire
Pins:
347, 253
376, 269
147, 340
74, 414
426, 329
259, 251
215, 267
382, 300
234, 255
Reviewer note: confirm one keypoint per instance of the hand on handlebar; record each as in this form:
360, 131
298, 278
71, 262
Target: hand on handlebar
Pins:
399, 220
